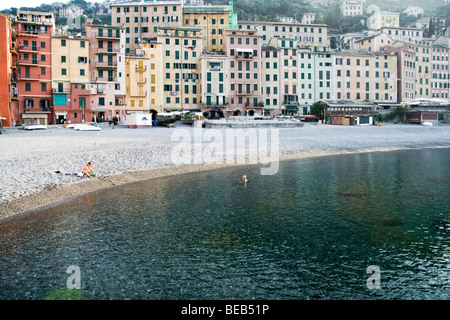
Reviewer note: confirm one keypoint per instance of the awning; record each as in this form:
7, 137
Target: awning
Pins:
244, 50
292, 108
268, 109
194, 110
34, 116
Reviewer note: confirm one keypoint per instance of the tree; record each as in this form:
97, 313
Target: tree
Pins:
317, 110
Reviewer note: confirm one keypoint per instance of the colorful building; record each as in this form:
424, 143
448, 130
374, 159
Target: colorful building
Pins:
214, 84
354, 76
288, 74
153, 50
142, 19
313, 36
107, 71
270, 80
382, 19
70, 79
34, 32
8, 73
243, 47
440, 80
212, 19
181, 68
406, 71
316, 78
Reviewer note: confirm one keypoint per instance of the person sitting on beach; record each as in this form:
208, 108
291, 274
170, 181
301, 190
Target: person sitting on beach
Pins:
87, 170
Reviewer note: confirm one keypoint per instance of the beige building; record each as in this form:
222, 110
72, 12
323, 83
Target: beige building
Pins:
383, 19
70, 61
313, 36
354, 75
214, 83
308, 18
373, 43
142, 19
385, 77
351, 8
181, 68
212, 19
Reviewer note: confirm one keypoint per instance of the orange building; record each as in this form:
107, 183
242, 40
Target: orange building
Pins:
34, 31
8, 72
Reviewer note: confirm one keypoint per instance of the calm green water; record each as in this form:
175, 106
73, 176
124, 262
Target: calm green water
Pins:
309, 232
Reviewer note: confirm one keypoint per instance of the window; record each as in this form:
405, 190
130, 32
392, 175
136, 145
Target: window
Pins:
63, 42
63, 59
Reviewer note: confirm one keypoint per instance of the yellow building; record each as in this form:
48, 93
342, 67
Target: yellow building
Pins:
373, 43
137, 74
70, 62
212, 20
153, 50
182, 48
385, 77
383, 19
142, 19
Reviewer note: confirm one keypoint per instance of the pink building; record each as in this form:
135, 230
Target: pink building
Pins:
406, 60
107, 71
440, 79
243, 47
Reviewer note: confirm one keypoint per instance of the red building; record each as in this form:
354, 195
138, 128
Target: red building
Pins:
34, 32
8, 72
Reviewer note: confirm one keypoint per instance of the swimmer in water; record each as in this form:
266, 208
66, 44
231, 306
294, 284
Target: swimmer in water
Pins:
244, 179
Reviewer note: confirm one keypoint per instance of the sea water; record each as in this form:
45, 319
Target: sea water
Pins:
315, 230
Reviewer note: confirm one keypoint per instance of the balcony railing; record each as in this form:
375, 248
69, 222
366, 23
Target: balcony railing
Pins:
30, 48
28, 76
108, 50
106, 65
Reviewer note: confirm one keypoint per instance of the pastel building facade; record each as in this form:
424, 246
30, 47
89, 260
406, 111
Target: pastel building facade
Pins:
214, 83
213, 20
351, 8
243, 47
153, 50
406, 71
385, 77
440, 80
383, 19
354, 76
70, 79
271, 80
107, 71
316, 78
182, 48
313, 36
142, 19
373, 43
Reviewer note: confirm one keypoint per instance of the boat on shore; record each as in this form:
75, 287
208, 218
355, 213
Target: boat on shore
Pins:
34, 127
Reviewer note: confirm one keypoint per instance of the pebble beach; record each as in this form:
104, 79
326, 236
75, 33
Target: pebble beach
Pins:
39, 167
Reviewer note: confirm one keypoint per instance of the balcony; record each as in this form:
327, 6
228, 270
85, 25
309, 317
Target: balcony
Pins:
29, 49
34, 63
61, 90
108, 50
108, 36
243, 54
30, 77
32, 33
106, 65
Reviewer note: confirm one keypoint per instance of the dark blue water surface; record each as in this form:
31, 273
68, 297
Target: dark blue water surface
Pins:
308, 232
